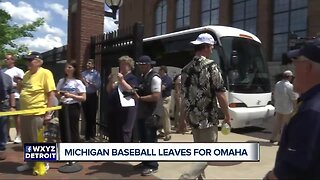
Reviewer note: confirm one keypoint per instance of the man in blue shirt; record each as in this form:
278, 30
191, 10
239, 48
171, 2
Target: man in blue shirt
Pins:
298, 156
92, 81
7, 102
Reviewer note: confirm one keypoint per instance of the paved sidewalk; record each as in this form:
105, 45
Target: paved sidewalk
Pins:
167, 170
227, 170
91, 170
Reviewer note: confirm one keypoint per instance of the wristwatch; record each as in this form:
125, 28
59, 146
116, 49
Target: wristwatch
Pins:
13, 106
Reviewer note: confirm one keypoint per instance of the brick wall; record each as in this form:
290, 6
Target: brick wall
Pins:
313, 17
85, 20
195, 13
225, 12
264, 26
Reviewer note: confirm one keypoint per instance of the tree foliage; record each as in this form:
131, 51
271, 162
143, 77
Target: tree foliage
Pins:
9, 31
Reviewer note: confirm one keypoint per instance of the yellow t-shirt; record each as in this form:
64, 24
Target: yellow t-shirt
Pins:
35, 89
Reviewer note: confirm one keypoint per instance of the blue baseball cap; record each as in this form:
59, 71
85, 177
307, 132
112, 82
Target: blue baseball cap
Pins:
310, 50
145, 60
32, 55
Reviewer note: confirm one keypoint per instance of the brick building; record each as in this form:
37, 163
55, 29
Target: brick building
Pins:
85, 20
271, 20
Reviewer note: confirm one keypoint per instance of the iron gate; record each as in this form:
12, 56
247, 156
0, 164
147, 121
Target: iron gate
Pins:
106, 49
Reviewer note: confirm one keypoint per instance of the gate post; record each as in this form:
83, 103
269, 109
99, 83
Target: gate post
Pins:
138, 32
92, 47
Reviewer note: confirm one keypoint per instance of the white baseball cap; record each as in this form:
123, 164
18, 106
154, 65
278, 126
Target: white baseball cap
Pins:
204, 38
288, 73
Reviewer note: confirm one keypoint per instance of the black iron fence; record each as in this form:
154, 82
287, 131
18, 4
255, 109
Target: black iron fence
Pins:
106, 49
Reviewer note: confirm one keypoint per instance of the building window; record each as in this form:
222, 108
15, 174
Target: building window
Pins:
289, 16
161, 18
210, 12
182, 13
245, 15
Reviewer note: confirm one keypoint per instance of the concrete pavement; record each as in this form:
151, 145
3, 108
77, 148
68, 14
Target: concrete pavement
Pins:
219, 170
91, 170
167, 170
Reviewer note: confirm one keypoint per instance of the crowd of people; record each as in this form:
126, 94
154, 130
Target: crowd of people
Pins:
198, 90
78, 91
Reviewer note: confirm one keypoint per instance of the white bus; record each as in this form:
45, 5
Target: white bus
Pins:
239, 55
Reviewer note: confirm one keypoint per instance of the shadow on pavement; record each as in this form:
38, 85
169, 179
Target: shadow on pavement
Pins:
91, 170
223, 163
123, 169
247, 130
17, 148
263, 143
256, 132
7, 167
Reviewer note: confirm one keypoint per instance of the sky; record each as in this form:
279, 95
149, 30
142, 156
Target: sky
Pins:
53, 33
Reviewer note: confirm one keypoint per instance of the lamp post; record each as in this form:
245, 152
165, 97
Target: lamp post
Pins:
114, 6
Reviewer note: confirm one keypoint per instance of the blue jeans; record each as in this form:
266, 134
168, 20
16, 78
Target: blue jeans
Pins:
3, 128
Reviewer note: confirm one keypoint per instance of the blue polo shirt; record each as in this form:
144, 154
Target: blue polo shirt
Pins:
166, 81
92, 76
298, 156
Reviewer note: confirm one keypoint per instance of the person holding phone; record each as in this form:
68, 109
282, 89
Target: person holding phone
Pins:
71, 91
121, 120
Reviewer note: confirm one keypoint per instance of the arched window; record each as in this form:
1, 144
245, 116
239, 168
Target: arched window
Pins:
289, 16
182, 13
210, 12
161, 17
245, 15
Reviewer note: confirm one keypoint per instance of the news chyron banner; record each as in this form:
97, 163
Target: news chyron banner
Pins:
245, 152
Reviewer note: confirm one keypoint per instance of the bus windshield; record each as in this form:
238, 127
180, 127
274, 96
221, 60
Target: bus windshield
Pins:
246, 70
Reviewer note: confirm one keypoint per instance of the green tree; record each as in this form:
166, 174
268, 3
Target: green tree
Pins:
9, 31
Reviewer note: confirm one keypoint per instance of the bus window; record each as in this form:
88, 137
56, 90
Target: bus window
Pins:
215, 56
247, 72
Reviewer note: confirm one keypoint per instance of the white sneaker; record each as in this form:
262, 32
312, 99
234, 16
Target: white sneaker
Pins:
17, 140
24, 167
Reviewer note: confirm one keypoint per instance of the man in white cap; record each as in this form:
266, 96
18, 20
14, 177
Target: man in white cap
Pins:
284, 98
202, 85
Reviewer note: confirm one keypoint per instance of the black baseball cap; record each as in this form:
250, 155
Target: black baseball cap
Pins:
310, 50
32, 55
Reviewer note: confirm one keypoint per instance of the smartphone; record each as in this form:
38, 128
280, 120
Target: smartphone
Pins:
17, 79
